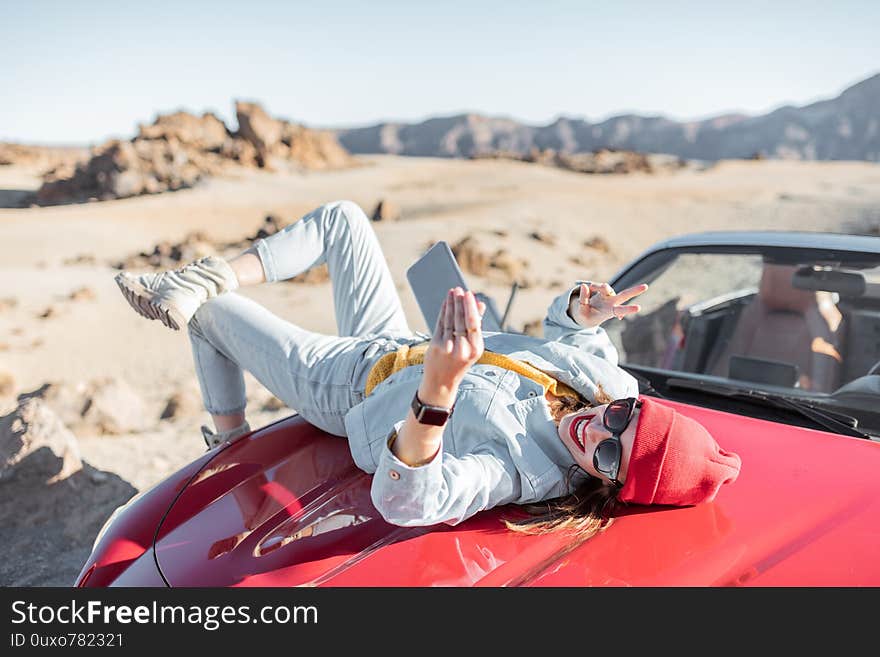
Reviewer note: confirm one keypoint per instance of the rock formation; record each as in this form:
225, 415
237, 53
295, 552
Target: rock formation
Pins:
277, 141
180, 149
475, 256
45, 158
52, 503
604, 160
33, 431
104, 406
184, 402
843, 128
385, 210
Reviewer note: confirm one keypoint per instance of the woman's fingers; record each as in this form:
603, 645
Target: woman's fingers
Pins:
622, 311
472, 326
460, 317
584, 293
441, 316
452, 354
459, 325
472, 314
631, 292
449, 317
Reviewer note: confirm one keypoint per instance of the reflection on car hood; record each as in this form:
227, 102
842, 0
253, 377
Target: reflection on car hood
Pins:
287, 506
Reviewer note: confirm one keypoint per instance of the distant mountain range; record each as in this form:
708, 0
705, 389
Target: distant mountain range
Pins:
843, 128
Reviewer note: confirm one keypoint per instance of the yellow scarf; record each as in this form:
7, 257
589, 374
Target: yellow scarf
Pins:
406, 356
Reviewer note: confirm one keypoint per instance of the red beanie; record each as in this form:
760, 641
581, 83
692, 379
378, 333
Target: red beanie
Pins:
675, 460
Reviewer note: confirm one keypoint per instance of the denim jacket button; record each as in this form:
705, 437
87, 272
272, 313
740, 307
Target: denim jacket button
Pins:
394, 474
532, 393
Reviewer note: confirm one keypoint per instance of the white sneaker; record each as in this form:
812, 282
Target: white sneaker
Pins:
213, 439
173, 296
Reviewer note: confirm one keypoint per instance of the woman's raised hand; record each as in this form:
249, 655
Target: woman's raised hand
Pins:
598, 302
457, 342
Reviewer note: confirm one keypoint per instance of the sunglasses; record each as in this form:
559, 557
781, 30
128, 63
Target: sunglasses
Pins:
606, 457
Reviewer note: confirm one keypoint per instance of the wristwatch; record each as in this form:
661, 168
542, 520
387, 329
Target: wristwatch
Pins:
427, 414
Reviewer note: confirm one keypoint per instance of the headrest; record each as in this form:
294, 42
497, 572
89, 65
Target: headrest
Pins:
777, 292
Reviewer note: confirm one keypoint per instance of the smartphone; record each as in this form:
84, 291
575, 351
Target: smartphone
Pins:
430, 278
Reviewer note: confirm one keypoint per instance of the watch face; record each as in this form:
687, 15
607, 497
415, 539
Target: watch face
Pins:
432, 416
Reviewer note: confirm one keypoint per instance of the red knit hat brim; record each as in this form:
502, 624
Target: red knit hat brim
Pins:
675, 460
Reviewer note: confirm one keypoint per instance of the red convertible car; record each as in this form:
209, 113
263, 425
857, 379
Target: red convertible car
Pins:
770, 339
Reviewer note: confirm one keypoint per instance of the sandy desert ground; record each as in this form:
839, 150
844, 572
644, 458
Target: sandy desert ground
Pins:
48, 334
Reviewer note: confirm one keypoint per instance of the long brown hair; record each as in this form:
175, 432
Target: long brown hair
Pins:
587, 510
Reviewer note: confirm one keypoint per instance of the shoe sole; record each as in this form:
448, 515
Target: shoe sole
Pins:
146, 302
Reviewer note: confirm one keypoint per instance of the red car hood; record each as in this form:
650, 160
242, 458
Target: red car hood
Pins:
287, 506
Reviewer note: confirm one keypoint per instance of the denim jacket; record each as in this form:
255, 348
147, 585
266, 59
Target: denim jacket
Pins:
500, 444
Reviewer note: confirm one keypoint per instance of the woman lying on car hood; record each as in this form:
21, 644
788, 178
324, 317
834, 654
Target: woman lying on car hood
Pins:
450, 423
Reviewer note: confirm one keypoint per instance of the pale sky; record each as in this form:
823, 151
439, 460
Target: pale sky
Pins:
80, 71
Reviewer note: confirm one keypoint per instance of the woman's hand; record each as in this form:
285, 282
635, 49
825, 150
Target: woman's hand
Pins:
597, 303
457, 343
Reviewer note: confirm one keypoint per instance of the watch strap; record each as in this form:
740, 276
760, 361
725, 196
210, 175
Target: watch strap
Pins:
428, 414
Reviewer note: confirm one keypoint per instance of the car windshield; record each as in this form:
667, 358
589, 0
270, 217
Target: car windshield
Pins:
783, 322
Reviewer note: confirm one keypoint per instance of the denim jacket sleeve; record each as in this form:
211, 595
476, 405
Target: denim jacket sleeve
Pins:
559, 326
448, 489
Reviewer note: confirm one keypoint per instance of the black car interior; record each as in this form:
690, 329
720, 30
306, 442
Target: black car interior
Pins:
806, 326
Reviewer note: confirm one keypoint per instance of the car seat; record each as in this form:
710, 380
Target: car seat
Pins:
786, 324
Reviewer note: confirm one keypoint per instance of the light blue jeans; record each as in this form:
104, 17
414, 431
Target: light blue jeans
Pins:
320, 376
